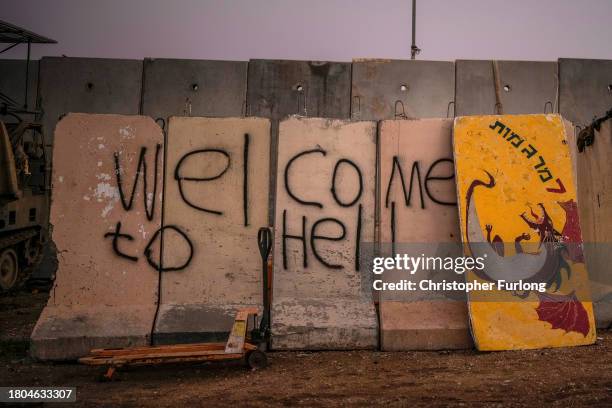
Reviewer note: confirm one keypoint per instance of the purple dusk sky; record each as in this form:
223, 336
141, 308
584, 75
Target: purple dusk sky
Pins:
317, 29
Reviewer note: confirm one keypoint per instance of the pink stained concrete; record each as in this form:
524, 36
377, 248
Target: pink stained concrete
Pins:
320, 307
419, 320
225, 271
99, 298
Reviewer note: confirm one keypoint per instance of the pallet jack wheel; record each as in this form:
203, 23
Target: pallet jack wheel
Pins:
256, 359
108, 375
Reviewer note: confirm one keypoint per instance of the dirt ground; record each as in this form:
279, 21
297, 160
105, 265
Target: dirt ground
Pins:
580, 376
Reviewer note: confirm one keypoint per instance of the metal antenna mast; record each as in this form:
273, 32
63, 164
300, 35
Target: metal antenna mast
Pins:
414, 50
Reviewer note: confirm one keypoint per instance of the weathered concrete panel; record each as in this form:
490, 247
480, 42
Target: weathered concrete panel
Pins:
416, 161
524, 87
12, 83
106, 210
216, 194
594, 184
194, 88
88, 85
279, 88
320, 299
425, 145
388, 89
424, 325
584, 94
585, 89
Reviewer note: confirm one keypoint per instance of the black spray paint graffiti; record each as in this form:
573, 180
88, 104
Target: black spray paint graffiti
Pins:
141, 169
516, 141
333, 186
428, 179
407, 190
286, 174
149, 204
314, 235
159, 266
116, 235
148, 251
180, 178
245, 179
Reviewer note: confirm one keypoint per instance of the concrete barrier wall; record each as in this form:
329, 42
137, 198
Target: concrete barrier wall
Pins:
324, 212
105, 212
277, 88
418, 213
216, 199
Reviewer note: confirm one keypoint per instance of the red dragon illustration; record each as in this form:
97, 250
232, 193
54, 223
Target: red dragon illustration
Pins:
546, 265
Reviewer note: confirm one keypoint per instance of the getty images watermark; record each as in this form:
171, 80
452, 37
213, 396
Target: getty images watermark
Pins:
411, 265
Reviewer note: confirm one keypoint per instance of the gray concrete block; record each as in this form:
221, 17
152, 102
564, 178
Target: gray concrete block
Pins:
323, 324
424, 325
594, 183
88, 85
193, 323
388, 89
585, 89
524, 87
602, 307
278, 88
69, 332
194, 88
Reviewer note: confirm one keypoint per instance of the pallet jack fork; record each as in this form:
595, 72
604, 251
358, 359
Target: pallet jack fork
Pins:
239, 345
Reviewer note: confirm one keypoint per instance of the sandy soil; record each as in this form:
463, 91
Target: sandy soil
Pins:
580, 376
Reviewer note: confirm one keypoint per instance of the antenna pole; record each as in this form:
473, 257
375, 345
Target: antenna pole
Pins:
414, 50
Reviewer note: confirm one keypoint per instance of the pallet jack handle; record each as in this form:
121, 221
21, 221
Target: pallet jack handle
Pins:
264, 241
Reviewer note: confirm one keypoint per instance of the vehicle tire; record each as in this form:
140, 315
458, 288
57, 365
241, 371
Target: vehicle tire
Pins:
256, 359
9, 269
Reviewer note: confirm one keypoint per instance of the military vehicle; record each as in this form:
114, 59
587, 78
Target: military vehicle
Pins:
24, 201
24, 174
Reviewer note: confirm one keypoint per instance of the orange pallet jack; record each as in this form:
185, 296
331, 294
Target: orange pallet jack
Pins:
250, 348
